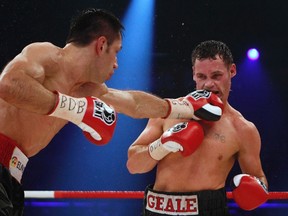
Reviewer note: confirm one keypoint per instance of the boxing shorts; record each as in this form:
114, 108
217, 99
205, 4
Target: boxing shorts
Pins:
11, 194
12, 157
12, 165
201, 203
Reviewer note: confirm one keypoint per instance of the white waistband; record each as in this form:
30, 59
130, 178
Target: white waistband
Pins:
172, 204
17, 164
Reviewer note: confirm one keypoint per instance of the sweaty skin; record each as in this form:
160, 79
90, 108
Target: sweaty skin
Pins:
27, 84
227, 140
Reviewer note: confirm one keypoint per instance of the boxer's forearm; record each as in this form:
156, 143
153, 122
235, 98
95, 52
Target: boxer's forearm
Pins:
136, 104
139, 160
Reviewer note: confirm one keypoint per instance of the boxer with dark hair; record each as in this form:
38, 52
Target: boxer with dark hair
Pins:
192, 166
46, 86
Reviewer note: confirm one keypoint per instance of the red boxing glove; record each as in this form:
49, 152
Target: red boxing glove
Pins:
199, 105
93, 116
248, 191
207, 106
185, 137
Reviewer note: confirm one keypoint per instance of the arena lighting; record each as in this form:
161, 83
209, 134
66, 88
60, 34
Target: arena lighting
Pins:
135, 59
133, 73
253, 54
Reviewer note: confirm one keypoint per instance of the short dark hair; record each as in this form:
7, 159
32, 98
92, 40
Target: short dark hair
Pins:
210, 49
92, 23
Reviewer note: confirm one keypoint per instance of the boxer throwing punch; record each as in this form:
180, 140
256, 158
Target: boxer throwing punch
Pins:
46, 86
194, 158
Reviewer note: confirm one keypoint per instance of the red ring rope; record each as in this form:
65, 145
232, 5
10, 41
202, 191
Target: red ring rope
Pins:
115, 195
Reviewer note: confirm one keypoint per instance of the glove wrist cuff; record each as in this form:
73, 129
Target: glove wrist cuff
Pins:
69, 108
157, 151
179, 109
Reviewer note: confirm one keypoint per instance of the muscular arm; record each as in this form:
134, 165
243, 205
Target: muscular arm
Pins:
139, 160
249, 153
136, 104
21, 83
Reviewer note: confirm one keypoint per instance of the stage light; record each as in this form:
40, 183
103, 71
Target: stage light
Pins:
253, 54
135, 59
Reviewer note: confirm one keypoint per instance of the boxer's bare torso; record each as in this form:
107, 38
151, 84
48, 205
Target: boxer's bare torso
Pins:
230, 138
30, 130
208, 167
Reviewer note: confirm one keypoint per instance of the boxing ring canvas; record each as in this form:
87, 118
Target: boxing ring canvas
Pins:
259, 91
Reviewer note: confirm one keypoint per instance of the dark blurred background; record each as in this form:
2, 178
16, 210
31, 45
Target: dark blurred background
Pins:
157, 45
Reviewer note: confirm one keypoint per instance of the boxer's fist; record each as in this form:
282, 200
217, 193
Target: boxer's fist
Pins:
199, 105
93, 116
206, 105
248, 191
184, 137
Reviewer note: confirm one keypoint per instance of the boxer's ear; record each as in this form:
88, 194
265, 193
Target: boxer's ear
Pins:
101, 45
